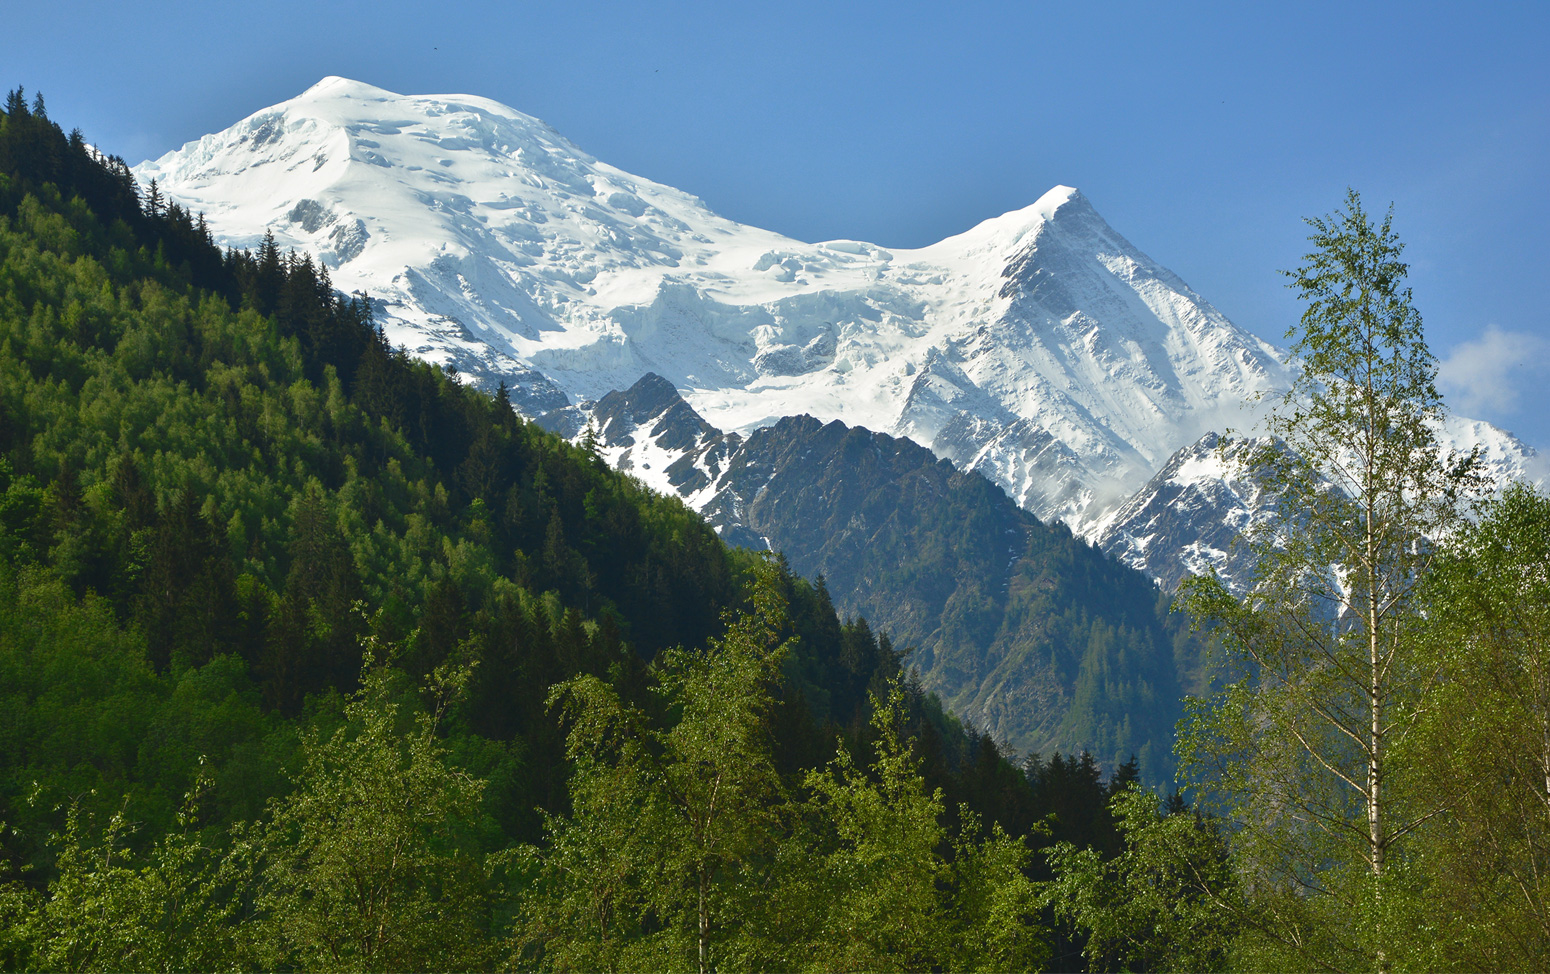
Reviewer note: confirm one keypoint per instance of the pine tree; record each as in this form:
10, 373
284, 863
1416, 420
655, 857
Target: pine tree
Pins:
589, 444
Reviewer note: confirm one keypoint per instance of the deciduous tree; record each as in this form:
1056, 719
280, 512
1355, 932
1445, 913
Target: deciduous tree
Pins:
670, 820
1484, 743
1325, 680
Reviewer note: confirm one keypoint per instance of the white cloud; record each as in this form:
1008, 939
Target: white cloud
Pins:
1488, 374
1537, 470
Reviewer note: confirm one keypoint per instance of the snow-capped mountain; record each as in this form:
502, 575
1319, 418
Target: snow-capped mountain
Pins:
1188, 519
1039, 348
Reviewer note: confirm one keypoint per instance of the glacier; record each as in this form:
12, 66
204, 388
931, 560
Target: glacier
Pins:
1039, 348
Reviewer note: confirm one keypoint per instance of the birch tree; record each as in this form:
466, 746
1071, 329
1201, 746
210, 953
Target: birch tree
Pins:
371, 863
1325, 682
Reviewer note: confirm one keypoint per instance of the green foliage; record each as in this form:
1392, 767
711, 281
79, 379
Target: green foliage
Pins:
1168, 902
668, 820
883, 911
366, 865
172, 907
886, 897
685, 850
1485, 744
371, 862
89, 722
996, 922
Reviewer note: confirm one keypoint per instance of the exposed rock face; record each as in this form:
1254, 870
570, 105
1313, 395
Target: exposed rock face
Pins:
1189, 518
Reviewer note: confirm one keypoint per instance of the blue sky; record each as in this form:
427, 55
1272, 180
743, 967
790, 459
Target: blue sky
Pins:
1203, 132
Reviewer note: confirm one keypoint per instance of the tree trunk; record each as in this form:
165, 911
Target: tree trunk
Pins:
704, 925
1376, 695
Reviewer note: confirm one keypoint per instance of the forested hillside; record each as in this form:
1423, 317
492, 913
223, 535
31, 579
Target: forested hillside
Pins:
273, 593
1037, 637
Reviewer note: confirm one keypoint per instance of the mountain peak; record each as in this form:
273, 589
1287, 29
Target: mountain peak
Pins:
358, 105
1013, 229
1057, 198
337, 86
1062, 362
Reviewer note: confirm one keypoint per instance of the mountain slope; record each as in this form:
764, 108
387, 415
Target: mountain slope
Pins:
1039, 348
1188, 518
212, 507
1027, 631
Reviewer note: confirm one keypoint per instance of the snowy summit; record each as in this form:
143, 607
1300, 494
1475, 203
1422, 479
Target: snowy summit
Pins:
1040, 347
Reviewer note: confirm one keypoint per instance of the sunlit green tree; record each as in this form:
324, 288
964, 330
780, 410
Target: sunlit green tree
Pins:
369, 864
1484, 744
1325, 680
1167, 902
668, 821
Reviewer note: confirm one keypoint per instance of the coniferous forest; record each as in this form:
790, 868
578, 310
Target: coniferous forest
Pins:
313, 658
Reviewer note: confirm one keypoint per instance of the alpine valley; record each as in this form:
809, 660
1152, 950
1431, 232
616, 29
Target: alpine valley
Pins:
803, 396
